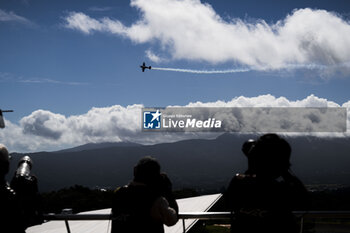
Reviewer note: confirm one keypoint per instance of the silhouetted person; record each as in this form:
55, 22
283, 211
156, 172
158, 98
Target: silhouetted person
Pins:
146, 203
264, 196
11, 217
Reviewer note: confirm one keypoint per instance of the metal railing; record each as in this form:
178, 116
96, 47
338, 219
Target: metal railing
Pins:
193, 215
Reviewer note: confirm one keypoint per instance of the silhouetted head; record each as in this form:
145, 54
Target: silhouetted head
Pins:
4, 161
147, 170
269, 155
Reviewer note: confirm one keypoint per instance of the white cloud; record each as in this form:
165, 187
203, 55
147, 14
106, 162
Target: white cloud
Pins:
100, 9
82, 22
268, 101
10, 16
10, 77
153, 57
47, 81
44, 124
44, 130
191, 30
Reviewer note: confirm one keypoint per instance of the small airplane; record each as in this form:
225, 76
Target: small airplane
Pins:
2, 122
143, 67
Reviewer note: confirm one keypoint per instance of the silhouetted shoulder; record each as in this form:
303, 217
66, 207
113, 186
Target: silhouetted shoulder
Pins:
10, 214
7, 193
241, 176
120, 189
241, 179
10, 191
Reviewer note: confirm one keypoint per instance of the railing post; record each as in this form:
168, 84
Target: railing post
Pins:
183, 225
67, 226
301, 224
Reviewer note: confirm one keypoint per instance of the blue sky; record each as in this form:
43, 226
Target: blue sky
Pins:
67, 57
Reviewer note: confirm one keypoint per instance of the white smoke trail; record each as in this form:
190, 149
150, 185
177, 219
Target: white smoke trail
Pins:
287, 67
202, 71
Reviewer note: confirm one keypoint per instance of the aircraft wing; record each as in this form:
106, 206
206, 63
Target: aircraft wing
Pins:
2, 123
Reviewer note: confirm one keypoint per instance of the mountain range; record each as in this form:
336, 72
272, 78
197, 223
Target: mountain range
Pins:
202, 164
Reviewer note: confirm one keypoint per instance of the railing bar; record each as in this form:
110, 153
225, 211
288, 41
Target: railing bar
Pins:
196, 215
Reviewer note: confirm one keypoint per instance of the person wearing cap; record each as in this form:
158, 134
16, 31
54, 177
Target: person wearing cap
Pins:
146, 203
11, 218
263, 197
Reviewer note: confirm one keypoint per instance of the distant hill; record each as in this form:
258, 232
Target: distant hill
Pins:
93, 146
198, 163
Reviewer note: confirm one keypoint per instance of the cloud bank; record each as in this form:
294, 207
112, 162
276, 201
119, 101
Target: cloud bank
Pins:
45, 130
10, 16
191, 30
10, 77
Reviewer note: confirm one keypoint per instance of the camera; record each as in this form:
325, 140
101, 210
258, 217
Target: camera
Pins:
24, 167
247, 146
26, 187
